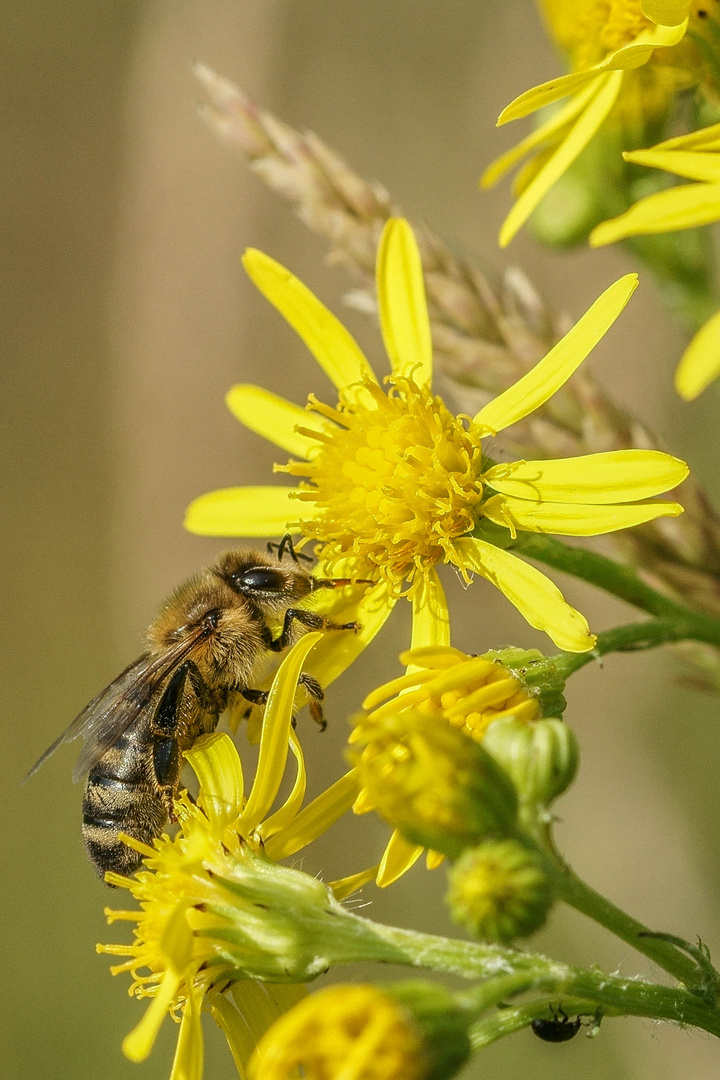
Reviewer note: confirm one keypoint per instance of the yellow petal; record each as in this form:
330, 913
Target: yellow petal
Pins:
573, 519
633, 55
338, 649
242, 511
275, 735
545, 94
261, 1004
666, 12
348, 885
234, 1028
539, 601
616, 476
707, 138
694, 164
315, 819
541, 382
431, 618
404, 317
291, 807
275, 418
433, 859
216, 763
334, 347
189, 1052
544, 133
138, 1043
577, 138
681, 207
700, 362
397, 859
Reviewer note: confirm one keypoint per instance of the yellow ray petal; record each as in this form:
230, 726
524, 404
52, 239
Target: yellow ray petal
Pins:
337, 650
138, 1043
189, 1052
275, 418
541, 382
633, 55
431, 618
291, 807
665, 12
544, 133
681, 207
216, 763
433, 859
573, 519
234, 1028
315, 819
334, 347
404, 317
397, 859
693, 164
261, 1004
242, 511
539, 601
577, 138
275, 735
700, 362
614, 477
705, 139
348, 885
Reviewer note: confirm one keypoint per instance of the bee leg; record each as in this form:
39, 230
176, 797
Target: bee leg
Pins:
311, 621
286, 544
257, 697
316, 696
166, 750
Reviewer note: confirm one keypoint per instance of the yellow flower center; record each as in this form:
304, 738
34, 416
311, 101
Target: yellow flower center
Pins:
354, 1031
466, 692
590, 31
394, 485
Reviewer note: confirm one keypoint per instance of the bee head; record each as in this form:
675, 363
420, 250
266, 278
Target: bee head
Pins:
263, 580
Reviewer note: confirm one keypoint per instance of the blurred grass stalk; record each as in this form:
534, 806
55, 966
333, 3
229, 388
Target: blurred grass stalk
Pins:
485, 338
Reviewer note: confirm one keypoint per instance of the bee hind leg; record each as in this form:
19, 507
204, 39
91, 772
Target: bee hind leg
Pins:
165, 749
316, 696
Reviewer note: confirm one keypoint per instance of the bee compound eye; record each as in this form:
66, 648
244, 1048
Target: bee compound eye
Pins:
258, 579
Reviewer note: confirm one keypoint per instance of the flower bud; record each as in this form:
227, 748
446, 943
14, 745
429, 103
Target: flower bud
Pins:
409, 1031
500, 891
432, 782
541, 758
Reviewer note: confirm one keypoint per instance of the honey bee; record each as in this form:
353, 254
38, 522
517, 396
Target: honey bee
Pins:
203, 650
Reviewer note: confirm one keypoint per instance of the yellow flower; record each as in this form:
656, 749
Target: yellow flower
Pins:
683, 206
620, 65
391, 483
451, 690
405, 1031
181, 956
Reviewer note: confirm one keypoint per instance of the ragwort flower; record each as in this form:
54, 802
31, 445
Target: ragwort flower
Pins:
683, 206
201, 928
391, 483
405, 757
626, 64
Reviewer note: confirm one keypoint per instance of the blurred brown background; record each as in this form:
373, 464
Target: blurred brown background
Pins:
127, 316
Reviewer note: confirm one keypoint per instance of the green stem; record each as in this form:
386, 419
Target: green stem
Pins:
575, 892
507, 1021
634, 636
620, 580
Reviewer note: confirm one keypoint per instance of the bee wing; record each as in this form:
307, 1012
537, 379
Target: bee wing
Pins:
113, 710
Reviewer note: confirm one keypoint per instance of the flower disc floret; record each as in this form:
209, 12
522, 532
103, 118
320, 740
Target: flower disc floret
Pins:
394, 484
